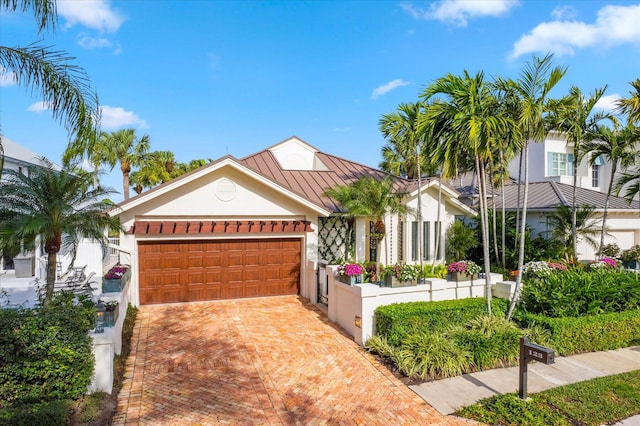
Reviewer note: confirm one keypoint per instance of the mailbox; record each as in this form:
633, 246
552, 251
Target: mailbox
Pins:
539, 353
531, 352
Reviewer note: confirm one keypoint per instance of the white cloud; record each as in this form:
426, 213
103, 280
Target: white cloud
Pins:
38, 107
387, 87
608, 103
458, 12
563, 12
88, 42
7, 78
117, 117
95, 14
614, 25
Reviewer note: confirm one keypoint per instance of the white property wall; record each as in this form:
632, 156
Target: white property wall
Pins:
346, 302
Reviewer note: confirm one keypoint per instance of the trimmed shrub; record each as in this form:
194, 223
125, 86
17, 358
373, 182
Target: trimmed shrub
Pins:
400, 320
49, 413
576, 293
492, 341
431, 355
571, 335
46, 352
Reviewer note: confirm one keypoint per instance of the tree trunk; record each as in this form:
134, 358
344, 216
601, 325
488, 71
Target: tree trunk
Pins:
437, 239
516, 293
606, 206
484, 227
522, 155
574, 242
51, 276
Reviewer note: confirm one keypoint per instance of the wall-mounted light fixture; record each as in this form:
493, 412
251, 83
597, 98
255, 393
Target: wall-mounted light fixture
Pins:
358, 321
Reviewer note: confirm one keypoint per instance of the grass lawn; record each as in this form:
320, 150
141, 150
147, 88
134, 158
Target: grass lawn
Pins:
603, 400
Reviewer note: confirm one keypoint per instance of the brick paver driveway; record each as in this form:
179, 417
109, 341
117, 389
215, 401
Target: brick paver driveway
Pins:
271, 361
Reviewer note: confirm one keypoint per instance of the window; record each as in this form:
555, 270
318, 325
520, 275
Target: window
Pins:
595, 176
438, 231
426, 255
559, 164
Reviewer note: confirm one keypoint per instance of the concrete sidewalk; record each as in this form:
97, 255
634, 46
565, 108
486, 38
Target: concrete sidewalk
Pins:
449, 395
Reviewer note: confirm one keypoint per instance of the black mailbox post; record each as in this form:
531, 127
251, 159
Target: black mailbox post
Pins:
531, 352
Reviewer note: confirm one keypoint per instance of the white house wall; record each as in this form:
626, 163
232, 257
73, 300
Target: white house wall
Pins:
201, 200
622, 229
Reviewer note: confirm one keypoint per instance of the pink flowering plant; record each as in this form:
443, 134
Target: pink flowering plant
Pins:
116, 272
604, 263
401, 272
464, 267
350, 269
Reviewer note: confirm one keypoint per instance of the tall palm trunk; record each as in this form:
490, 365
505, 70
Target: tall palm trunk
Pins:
516, 293
484, 227
614, 168
437, 239
504, 220
522, 154
574, 242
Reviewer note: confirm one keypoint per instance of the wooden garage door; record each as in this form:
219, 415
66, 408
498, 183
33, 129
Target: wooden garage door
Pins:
185, 271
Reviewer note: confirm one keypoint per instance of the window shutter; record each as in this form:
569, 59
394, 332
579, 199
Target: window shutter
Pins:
549, 163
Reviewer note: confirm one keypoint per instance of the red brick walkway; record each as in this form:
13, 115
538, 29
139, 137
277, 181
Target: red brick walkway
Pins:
267, 361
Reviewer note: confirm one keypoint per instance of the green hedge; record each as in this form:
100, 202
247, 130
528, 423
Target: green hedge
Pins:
576, 293
571, 335
402, 319
46, 353
49, 413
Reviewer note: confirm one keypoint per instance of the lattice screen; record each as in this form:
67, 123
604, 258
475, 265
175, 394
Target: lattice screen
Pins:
335, 239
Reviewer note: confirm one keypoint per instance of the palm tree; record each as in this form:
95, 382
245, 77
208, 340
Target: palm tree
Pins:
467, 122
125, 147
64, 87
586, 225
58, 207
368, 197
573, 116
631, 105
531, 91
618, 147
158, 167
403, 155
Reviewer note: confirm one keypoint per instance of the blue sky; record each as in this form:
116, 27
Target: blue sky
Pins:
209, 78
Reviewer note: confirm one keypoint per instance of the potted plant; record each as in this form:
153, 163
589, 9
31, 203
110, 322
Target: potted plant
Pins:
350, 273
111, 313
631, 257
400, 275
463, 270
115, 279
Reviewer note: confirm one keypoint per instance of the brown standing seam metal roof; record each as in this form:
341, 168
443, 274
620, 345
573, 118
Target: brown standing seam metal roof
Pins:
308, 184
547, 195
311, 184
219, 227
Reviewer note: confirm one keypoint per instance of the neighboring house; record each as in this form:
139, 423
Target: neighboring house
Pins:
623, 218
259, 226
552, 160
21, 159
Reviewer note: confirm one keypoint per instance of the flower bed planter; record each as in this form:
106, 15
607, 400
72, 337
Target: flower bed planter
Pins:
110, 317
349, 279
461, 276
116, 285
393, 282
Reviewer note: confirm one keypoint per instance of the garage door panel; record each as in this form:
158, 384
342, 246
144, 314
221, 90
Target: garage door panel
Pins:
221, 269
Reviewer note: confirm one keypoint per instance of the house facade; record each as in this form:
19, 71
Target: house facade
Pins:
623, 218
552, 160
260, 225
